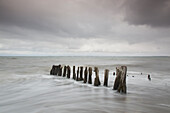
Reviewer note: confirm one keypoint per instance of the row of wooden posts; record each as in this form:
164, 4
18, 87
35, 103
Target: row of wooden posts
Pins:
119, 84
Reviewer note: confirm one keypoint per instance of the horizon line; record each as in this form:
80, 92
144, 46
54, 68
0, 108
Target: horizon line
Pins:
84, 55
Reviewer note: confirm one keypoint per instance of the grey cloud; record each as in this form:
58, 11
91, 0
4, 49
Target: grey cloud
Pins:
155, 13
63, 18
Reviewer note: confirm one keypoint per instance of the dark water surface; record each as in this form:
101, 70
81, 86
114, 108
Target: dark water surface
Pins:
27, 87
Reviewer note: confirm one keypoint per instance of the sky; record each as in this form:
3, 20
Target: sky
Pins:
85, 27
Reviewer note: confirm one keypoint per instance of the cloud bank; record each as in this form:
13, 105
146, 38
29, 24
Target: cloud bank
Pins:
84, 27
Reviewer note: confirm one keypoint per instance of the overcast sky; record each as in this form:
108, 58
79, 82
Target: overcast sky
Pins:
84, 27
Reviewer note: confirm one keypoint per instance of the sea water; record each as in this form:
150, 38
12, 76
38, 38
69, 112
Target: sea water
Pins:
27, 87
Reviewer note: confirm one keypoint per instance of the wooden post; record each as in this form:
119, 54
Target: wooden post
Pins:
52, 70
77, 74
81, 73
64, 73
90, 76
74, 73
96, 80
85, 75
68, 71
120, 81
117, 80
106, 74
55, 70
60, 70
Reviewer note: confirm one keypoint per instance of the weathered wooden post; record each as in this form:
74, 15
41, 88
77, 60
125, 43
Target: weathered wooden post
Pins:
81, 73
74, 73
85, 75
68, 71
106, 74
90, 75
77, 74
60, 70
120, 81
64, 73
52, 70
117, 80
55, 69
96, 80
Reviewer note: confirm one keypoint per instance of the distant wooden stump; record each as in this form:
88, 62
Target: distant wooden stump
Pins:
85, 75
120, 81
96, 80
74, 73
106, 74
90, 75
149, 77
68, 71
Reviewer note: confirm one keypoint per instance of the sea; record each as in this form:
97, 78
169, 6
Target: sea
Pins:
26, 85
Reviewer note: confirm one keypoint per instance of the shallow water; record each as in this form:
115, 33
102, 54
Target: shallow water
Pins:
27, 87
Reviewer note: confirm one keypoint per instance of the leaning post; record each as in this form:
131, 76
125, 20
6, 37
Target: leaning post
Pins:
120, 81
